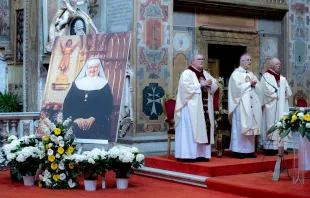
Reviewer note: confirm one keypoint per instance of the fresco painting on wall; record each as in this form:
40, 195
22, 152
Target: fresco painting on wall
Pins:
153, 39
4, 19
89, 79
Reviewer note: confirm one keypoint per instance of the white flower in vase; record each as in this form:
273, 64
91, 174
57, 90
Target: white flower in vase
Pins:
50, 152
61, 166
134, 150
61, 143
140, 158
62, 176
71, 183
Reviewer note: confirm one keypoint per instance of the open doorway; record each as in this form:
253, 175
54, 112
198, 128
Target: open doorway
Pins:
223, 60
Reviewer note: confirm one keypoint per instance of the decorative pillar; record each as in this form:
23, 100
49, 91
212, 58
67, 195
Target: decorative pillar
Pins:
30, 62
13, 127
4, 133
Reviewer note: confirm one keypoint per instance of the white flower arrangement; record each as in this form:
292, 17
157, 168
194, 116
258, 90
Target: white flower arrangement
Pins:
58, 172
23, 155
123, 159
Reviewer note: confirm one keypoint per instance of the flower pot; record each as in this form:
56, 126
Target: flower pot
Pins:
121, 183
28, 180
90, 185
103, 183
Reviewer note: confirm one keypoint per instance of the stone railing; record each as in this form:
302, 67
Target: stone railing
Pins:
19, 123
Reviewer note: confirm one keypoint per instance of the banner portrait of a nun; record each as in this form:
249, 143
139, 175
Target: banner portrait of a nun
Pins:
89, 102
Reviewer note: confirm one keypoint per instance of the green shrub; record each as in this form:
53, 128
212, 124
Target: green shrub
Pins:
9, 102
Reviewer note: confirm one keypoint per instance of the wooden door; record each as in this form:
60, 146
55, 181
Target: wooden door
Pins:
214, 67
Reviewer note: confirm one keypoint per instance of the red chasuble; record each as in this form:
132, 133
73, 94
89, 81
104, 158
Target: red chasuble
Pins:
276, 76
204, 91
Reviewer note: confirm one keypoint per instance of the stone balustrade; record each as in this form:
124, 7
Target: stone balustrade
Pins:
19, 124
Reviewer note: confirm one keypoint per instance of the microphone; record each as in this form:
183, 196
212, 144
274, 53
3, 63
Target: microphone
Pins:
275, 89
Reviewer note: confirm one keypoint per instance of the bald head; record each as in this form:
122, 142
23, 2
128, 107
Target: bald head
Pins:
275, 65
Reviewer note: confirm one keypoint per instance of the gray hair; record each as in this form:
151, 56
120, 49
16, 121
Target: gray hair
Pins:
194, 56
244, 55
272, 60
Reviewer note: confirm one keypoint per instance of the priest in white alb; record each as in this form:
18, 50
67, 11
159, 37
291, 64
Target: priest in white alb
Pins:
275, 104
194, 114
244, 109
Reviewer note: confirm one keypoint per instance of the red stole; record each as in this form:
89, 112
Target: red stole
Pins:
204, 91
275, 75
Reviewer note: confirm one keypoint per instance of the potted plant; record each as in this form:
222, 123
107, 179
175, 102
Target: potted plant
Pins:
9, 102
10, 150
122, 160
57, 170
91, 164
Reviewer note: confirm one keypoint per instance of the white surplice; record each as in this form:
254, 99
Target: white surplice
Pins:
244, 107
185, 146
191, 139
272, 112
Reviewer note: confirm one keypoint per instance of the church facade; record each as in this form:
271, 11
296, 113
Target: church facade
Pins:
164, 34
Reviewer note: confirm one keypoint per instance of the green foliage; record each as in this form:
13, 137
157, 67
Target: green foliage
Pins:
9, 102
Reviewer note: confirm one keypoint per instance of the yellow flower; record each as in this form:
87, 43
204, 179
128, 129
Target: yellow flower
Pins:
46, 137
60, 150
71, 166
294, 118
57, 131
54, 166
307, 117
70, 149
51, 158
284, 118
56, 177
47, 146
40, 184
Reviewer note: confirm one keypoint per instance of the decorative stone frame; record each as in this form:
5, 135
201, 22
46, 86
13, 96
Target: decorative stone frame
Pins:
221, 36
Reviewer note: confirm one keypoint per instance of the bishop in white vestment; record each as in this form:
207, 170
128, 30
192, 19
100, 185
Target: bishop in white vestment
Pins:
194, 114
274, 105
244, 108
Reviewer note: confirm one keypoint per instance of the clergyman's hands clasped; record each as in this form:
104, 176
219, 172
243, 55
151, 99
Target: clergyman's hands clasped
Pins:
207, 83
253, 82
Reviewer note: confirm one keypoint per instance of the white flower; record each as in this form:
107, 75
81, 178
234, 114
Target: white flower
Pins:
308, 125
279, 124
32, 136
57, 155
71, 183
54, 138
62, 176
61, 166
12, 137
51, 145
140, 158
61, 143
285, 114
10, 156
50, 152
60, 138
301, 109
91, 161
134, 150
67, 121
50, 125
44, 128
48, 182
59, 117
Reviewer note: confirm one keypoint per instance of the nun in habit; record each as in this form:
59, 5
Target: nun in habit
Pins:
89, 102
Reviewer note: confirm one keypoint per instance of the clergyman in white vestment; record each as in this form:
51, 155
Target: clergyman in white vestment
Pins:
244, 108
194, 114
272, 100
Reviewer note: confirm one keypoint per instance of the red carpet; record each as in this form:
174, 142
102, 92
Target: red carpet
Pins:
139, 186
218, 166
259, 185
